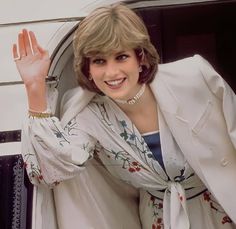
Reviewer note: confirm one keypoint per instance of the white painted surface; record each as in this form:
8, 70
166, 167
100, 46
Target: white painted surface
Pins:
45, 32
28, 10
13, 107
13, 100
10, 148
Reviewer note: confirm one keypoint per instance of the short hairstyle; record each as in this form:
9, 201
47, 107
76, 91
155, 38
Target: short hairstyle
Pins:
108, 29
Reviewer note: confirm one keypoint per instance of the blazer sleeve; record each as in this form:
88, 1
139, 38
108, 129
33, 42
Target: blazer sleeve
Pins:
223, 92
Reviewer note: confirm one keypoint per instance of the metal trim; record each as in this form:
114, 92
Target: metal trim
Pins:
55, 20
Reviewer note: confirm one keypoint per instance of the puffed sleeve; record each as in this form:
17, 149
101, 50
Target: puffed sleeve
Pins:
52, 153
223, 92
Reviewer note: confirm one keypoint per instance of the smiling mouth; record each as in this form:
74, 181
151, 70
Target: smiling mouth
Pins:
115, 83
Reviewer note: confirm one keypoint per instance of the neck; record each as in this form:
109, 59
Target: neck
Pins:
135, 99
146, 99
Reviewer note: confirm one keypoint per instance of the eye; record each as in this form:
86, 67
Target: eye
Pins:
98, 61
122, 57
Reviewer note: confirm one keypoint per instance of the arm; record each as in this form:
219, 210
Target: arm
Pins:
51, 154
33, 63
223, 92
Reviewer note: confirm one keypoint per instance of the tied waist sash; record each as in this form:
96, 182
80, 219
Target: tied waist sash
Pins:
175, 195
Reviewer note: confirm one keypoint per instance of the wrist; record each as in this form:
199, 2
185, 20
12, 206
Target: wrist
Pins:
37, 98
40, 114
35, 86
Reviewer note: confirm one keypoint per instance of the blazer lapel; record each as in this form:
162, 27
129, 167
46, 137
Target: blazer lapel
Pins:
171, 112
165, 97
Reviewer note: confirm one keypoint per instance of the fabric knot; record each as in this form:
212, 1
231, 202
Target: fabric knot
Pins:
169, 185
175, 208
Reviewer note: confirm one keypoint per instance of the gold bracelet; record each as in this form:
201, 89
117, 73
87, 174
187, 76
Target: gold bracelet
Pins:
39, 114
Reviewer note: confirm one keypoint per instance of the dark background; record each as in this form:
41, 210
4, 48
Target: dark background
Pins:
208, 29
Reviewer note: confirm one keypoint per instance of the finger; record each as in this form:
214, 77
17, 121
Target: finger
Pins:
21, 44
27, 42
43, 51
15, 53
34, 43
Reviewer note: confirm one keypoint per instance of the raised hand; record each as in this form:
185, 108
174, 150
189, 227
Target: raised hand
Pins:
33, 63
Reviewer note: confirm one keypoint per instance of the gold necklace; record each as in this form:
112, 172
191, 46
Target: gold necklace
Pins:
134, 99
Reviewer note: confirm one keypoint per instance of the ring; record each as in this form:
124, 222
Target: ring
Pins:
17, 58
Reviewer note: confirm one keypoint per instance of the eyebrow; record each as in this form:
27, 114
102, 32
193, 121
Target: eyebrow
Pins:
102, 55
120, 52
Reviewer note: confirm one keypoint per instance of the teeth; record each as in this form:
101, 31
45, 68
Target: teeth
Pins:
114, 82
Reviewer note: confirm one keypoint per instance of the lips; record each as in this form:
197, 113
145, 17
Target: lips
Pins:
115, 83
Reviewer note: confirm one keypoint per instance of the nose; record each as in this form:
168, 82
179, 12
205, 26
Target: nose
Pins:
112, 69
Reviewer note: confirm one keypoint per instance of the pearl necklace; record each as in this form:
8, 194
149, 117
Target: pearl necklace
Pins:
134, 99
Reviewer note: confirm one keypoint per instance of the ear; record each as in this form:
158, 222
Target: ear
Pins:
90, 77
145, 64
143, 59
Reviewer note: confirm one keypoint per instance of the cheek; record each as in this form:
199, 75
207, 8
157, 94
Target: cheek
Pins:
95, 72
97, 76
135, 72
91, 69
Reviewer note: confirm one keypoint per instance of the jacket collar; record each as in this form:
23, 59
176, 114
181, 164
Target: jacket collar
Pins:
165, 97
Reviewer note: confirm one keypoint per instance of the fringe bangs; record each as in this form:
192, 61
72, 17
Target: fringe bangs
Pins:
117, 38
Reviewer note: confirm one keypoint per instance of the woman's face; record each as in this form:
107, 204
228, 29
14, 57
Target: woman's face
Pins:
117, 74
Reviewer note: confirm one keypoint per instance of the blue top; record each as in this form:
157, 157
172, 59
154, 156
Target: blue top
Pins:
154, 143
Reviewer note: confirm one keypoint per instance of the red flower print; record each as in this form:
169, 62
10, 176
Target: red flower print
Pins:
131, 170
40, 177
214, 205
180, 197
152, 198
159, 220
226, 219
135, 163
56, 183
206, 196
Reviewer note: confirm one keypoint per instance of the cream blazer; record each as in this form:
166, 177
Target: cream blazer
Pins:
199, 108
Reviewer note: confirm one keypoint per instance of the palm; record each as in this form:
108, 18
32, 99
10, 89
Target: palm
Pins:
33, 68
32, 61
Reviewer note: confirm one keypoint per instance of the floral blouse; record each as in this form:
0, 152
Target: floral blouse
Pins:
102, 130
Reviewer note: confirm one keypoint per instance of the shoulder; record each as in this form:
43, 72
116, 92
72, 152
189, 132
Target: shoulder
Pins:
93, 109
184, 72
187, 66
184, 79
73, 102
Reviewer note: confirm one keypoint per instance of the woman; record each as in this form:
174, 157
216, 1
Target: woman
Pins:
170, 133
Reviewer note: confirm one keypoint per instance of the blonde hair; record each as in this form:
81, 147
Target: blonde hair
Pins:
108, 29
